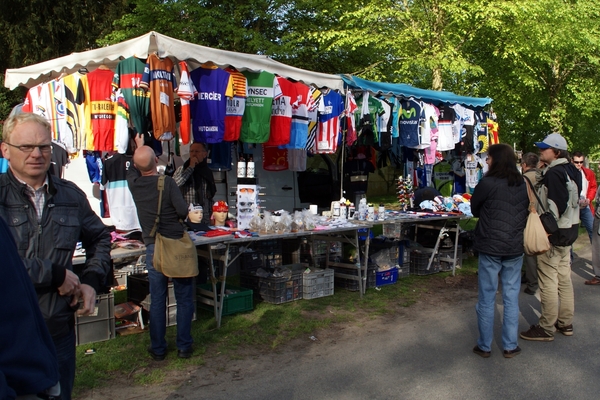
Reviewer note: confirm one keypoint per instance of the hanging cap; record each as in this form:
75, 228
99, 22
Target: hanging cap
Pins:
220, 206
553, 140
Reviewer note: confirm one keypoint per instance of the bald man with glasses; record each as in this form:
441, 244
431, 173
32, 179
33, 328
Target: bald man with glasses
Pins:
48, 216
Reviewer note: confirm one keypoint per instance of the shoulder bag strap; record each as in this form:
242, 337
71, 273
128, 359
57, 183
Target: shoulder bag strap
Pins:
530, 189
160, 186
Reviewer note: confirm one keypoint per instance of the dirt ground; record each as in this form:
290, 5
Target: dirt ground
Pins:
438, 292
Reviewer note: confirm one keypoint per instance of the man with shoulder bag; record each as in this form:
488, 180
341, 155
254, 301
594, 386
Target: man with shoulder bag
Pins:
558, 187
143, 181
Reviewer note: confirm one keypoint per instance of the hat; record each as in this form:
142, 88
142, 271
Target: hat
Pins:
553, 140
220, 206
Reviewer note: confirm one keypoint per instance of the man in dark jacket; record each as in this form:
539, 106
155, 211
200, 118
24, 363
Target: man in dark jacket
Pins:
47, 217
142, 179
27, 358
559, 187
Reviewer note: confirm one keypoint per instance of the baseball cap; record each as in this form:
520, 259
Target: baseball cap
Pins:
553, 140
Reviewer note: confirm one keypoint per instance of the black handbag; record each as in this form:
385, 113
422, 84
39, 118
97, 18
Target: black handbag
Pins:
548, 220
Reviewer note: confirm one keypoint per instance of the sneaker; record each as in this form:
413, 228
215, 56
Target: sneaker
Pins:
566, 330
511, 353
537, 333
482, 353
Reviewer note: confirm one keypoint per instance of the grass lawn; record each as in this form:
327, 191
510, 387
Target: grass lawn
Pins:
266, 327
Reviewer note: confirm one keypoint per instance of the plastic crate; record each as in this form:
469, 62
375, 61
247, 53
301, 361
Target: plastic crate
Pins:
393, 230
269, 246
317, 283
403, 271
278, 290
250, 261
352, 284
384, 253
248, 279
120, 277
419, 259
98, 327
403, 254
138, 288
171, 311
236, 299
388, 277
447, 257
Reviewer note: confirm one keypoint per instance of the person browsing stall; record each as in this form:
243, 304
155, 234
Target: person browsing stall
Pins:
559, 187
500, 202
529, 166
196, 180
589, 186
143, 184
47, 217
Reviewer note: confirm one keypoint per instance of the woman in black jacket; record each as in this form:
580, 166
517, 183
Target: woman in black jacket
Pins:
500, 201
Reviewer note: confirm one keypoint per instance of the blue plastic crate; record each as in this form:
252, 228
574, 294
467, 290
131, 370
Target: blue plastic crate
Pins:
388, 277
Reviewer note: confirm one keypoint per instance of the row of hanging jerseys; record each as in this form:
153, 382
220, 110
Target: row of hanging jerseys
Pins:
99, 110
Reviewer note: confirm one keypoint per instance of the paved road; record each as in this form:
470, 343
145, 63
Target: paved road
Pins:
428, 357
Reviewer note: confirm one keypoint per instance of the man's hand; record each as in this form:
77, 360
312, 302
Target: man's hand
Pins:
71, 285
139, 140
193, 161
88, 295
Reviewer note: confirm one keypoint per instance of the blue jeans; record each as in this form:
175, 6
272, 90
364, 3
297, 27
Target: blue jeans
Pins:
184, 295
587, 220
65, 353
509, 269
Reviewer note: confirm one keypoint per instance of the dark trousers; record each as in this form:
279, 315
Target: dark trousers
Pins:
65, 352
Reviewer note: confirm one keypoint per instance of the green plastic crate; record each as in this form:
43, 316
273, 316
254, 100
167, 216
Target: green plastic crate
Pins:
236, 299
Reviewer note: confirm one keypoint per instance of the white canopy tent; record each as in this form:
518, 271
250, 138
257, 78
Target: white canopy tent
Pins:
164, 46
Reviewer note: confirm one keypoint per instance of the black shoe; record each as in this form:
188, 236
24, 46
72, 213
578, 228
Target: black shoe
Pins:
511, 353
537, 333
156, 357
529, 291
185, 353
479, 352
566, 330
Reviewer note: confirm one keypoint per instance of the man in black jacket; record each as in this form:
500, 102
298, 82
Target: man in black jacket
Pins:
47, 216
559, 187
142, 180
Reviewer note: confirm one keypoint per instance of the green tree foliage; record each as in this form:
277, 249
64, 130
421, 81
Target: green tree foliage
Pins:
38, 30
538, 59
243, 26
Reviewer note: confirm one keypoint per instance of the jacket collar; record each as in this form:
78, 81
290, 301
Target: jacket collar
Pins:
13, 179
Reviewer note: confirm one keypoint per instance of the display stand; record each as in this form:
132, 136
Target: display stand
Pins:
441, 234
361, 265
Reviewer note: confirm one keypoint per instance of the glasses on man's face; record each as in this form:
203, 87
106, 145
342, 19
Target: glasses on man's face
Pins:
577, 162
28, 148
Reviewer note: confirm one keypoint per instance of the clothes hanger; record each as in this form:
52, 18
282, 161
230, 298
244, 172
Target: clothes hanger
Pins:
209, 65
